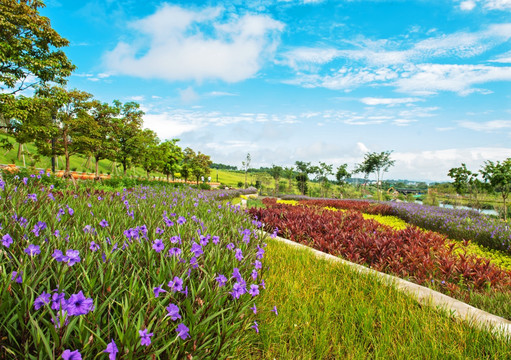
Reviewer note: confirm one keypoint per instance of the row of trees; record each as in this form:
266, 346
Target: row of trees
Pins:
65, 122
495, 177
377, 163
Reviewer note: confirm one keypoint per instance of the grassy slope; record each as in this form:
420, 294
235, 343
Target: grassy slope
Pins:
326, 311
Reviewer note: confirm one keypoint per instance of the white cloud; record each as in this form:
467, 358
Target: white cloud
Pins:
220, 93
435, 164
188, 95
497, 4
388, 101
179, 44
362, 148
503, 58
137, 98
431, 78
486, 126
467, 5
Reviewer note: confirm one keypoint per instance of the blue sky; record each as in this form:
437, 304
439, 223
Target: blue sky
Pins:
305, 80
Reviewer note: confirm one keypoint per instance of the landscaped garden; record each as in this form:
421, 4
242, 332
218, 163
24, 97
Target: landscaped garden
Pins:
361, 233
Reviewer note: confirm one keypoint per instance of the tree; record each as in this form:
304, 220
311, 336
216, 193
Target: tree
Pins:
246, 165
304, 169
276, 173
342, 175
465, 181
172, 155
67, 112
188, 163
127, 131
288, 174
98, 133
150, 154
498, 178
29, 51
323, 171
378, 163
201, 165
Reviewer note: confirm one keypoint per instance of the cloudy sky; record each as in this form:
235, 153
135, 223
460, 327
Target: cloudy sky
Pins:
308, 80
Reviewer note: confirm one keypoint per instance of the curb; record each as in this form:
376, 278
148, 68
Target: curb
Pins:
425, 296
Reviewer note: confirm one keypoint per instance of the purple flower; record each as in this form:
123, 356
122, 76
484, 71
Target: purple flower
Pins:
230, 246
254, 274
193, 262
145, 337
17, 277
182, 331
173, 312
254, 290
181, 220
94, 246
59, 256
216, 239
41, 300
175, 239
73, 257
260, 253
112, 350
6, 240
59, 301
158, 245
255, 327
221, 279
159, 231
71, 355
174, 251
237, 275
258, 265
33, 250
204, 240
32, 197
275, 310
78, 304
157, 290
176, 284
70, 211
254, 309
103, 223
239, 254
196, 249
237, 290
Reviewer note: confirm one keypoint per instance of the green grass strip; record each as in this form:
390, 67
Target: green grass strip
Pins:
328, 311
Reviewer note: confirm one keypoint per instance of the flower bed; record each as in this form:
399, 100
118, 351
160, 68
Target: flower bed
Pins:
146, 273
411, 253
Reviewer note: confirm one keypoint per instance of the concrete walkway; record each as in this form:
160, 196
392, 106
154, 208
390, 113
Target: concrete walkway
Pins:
426, 296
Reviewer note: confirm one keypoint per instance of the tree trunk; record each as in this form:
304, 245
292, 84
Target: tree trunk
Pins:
505, 207
20, 145
97, 168
124, 166
168, 177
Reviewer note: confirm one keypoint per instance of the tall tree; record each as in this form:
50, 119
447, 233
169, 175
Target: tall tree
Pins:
246, 165
127, 132
341, 176
69, 110
201, 166
172, 155
188, 163
289, 172
97, 140
29, 52
276, 173
150, 155
379, 163
323, 171
498, 177
304, 169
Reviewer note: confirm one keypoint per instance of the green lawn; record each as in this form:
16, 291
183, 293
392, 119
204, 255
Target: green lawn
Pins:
327, 311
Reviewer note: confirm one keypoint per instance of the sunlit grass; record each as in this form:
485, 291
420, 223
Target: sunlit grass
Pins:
327, 311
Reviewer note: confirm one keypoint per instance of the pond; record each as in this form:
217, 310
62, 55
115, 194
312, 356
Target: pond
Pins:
449, 206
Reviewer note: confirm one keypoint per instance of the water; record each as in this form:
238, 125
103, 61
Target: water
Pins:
449, 206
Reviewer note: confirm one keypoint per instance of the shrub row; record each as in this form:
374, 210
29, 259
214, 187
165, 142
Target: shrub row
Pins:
408, 253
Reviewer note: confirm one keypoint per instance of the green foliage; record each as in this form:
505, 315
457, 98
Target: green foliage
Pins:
29, 46
498, 177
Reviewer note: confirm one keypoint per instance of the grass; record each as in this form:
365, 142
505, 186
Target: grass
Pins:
327, 311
